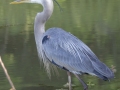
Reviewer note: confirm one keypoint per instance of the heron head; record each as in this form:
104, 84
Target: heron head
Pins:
26, 1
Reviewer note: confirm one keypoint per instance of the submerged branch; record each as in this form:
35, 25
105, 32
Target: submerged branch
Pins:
7, 75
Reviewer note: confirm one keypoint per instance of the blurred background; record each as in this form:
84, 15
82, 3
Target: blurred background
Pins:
95, 22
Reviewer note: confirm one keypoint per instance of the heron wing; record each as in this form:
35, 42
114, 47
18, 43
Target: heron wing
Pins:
67, 51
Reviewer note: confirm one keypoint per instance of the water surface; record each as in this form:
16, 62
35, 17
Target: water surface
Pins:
95, 22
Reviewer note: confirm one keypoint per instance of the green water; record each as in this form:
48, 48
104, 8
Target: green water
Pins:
95, 22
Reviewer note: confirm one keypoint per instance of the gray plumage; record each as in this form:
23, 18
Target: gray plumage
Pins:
59, 48
67, 51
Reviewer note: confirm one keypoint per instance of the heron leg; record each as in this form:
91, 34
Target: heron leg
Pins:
69, 80
83, 83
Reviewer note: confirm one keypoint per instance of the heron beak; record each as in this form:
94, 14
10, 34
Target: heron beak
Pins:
19, 1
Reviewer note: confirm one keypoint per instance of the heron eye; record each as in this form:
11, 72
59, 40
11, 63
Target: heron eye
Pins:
45, 38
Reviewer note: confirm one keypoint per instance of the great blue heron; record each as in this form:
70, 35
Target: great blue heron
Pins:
63, 49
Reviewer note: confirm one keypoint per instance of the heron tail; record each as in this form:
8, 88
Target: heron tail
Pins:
102, 71
101, 76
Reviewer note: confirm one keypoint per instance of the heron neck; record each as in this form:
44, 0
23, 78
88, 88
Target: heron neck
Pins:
42, 17
47, 9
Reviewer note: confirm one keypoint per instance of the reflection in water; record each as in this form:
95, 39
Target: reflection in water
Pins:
94, 22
